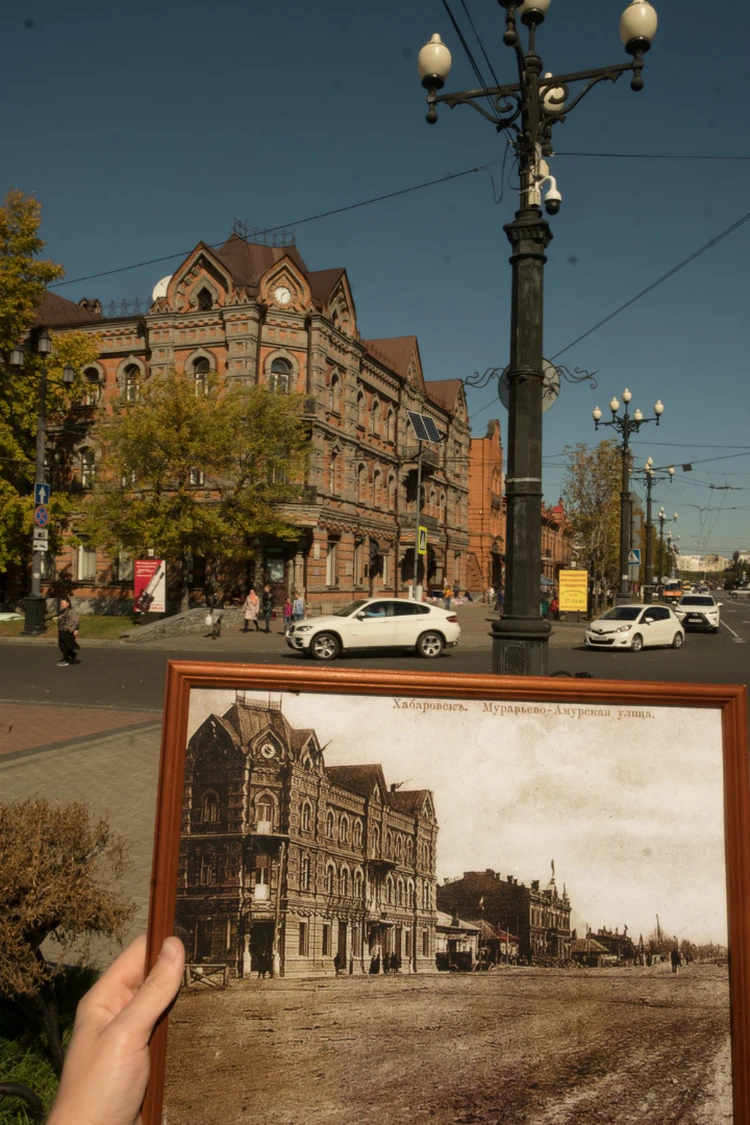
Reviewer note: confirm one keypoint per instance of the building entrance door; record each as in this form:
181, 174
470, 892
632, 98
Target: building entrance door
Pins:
261, 948
341, 944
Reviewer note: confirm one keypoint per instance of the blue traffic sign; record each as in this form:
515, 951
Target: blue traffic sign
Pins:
41, 494
634, 557
41, 516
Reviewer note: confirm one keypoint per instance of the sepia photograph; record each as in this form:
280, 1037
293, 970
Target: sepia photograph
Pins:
450, 909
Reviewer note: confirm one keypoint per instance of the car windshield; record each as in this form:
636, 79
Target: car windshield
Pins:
348, 610
622, 613
696, 599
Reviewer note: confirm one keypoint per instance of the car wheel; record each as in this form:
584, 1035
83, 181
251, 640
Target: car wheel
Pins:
677, 640
637, 643
715, 629
325, 646
430, 645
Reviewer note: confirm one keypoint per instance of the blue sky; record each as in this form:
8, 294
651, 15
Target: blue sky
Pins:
145, 128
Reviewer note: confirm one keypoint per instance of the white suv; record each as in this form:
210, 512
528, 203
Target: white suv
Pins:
377, 623
698, 611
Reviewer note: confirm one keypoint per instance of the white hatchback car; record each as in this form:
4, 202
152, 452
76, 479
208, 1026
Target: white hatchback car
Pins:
698, 611
634, 626
377, 623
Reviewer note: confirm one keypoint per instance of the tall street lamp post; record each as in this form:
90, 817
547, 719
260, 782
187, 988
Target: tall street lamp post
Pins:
526, 111
40, 343
663, 518
651, 476
625, 425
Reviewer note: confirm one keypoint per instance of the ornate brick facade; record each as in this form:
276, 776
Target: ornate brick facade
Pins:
256, 313
285, 862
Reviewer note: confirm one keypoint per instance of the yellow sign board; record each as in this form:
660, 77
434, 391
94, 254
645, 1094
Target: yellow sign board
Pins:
574, 590
422, 541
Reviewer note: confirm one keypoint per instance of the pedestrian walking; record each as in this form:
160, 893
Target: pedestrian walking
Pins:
250, 611
554, 608
266, 606
67, 632
499, 602
217, 613
338, 962
676, 960
298, 608
287, 614
447, 595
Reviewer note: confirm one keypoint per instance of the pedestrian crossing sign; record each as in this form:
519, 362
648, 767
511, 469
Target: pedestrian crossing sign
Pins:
422, 541
634, 557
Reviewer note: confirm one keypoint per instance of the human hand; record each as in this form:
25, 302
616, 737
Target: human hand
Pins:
107, 1063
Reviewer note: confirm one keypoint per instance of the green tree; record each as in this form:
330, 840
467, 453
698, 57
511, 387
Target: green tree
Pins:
58, 877
23, 279
591, 493
197, 474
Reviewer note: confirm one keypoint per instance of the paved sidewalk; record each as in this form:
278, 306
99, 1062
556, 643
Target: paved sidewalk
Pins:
116, 775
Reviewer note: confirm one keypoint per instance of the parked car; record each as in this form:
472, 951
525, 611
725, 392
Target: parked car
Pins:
699, 611
377, 623
634, 627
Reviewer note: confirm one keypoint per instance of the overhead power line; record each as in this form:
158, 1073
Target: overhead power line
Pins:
650, 155
281, 226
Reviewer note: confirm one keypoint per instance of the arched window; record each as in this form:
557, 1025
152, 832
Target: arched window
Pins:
92, 387
391, 493
443, 513
304, 873
306, 818
400, 893
389, 890
206, 871
375, 839
209, 807
204, 300
88, 468
132, 382
375, 418
377, 488
410, 901
344, 830
390, 426
264, 810
334, 393
357, 834
332, 469
361, 408
399, 848
357, 883
329, 824
409, 851
433, 500
280, 378
389, 843
330, 879
361, 484
344, 881
201, 370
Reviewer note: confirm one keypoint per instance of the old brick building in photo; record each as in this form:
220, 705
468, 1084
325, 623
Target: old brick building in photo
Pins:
286, 863
254, 312
540, 916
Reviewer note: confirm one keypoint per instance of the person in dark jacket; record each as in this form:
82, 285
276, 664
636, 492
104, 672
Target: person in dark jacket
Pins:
266, 606
67, 631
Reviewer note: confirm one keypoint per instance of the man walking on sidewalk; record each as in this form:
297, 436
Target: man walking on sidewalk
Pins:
266, 605
67, 631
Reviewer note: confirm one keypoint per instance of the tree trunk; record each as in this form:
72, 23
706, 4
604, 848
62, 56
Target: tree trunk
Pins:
184, 588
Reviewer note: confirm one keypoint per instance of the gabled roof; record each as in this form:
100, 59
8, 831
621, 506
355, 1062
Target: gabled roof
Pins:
248, 261
587, 945
359, 779
322, 283
409, 800
249, 722
445, 922
444, 392
395, 352
55, 311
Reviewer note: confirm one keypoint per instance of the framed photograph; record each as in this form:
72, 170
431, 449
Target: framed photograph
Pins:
451, 898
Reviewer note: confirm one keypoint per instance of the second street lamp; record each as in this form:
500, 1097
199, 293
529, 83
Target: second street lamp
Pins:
663, 518
651, 476
527, 111
625, 425
40, 343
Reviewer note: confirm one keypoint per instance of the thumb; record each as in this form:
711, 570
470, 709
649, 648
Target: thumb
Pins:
156, 993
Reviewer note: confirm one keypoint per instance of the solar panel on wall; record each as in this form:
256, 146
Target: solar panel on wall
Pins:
424, 427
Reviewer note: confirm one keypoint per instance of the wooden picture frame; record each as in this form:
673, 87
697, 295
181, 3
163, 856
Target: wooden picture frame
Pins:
524, 702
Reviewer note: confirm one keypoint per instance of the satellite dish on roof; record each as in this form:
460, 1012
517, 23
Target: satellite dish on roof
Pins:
550, 386
160, 289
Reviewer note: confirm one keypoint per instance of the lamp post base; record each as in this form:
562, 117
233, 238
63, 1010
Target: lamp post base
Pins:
520, 646
35, 610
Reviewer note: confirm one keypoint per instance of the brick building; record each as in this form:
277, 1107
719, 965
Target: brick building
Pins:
286, 862
256, 313
539, 916
487, 519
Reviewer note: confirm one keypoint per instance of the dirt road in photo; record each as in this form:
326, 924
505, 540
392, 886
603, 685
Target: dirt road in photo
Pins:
516, 1046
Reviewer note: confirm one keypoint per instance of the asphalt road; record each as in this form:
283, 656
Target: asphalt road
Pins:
132, 677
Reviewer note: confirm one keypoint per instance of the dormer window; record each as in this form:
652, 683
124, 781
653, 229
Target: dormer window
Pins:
204, 299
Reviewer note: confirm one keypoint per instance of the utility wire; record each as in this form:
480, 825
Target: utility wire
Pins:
282, 226
664, 277
650, 155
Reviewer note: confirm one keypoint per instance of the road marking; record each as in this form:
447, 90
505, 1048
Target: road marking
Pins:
738, 639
